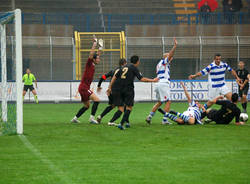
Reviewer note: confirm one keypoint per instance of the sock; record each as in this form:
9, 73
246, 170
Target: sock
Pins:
161, 111
116, 116
182, 116
106, 111
151, 114
244, 105
205, 106
36, 99
94, 108
81, 111
170, 116
125, 117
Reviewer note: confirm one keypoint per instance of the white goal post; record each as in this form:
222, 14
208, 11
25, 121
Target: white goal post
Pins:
17, 37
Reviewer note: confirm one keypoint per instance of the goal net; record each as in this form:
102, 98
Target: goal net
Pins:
11, 109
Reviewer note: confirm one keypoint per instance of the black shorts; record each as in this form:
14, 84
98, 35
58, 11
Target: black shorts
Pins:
26, 87
121, 98
214, 117
111, 99
244, 91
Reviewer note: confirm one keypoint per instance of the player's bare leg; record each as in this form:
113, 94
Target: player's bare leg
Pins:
80, 112
125, 117
152, 113
116, 116
35, 95
24, 93
166, 109
244, 102
105, 111
96, 101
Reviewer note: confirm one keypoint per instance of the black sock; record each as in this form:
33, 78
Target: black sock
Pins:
244, 105
161, 111
94, 108
116, 116
106, 110
81, 111
125, 116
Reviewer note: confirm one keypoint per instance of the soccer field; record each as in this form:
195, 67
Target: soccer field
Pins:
54, 151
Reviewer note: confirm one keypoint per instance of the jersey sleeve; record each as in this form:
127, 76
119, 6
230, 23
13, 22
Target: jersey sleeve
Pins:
237, 116
222, 102
228, 67
23, 78
206, 70
104, 77
137, 73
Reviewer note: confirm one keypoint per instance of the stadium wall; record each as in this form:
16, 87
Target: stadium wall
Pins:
68, 91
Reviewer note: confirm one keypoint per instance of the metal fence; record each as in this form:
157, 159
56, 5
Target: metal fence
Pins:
117, 22
192, 53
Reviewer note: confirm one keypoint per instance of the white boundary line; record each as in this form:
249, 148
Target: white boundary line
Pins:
57, 171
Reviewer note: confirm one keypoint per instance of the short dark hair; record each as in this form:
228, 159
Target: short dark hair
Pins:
235, 97
122, 61
134, 59
95, 56
217, 55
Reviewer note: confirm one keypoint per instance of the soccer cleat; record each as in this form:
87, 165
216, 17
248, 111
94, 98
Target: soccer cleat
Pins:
206, 121
148, 120
244, 111
127, 125
92, 120
99, 119
166, 123
121, 127
111, 124
173, 112
75, 120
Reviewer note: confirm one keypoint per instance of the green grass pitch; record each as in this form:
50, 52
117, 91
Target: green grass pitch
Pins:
54, 151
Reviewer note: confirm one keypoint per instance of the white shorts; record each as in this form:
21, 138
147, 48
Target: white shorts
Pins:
215, 92
189, 114
162, 91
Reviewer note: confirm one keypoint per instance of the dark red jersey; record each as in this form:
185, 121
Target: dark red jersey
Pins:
88, 75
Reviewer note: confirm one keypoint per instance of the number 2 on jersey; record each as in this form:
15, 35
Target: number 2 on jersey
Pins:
124, 72
229, 111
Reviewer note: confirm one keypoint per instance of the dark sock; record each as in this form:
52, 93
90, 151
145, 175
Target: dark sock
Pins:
161, 111
94, 108
116, 116
81, 111
106, 110
244, 105
125, 117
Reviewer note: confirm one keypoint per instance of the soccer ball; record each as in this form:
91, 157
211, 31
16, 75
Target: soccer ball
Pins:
243, 117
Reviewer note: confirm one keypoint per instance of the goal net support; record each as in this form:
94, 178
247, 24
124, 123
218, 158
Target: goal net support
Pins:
11, 121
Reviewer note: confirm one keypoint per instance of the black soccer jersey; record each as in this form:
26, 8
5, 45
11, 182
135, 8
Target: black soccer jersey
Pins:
107, 75
227, 112
125, 77
242, 74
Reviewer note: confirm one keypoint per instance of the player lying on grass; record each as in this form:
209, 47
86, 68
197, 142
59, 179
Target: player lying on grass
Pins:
191, 116
162, 87
227, 112
122, 88
84, 87
216, 78
111, 105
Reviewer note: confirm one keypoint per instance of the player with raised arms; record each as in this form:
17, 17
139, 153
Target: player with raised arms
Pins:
243, 84
28, 80
111, 105
122, 88
216, 79
84, 87
162, 88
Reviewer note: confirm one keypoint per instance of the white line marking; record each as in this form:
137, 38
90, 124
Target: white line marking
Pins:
58, 172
